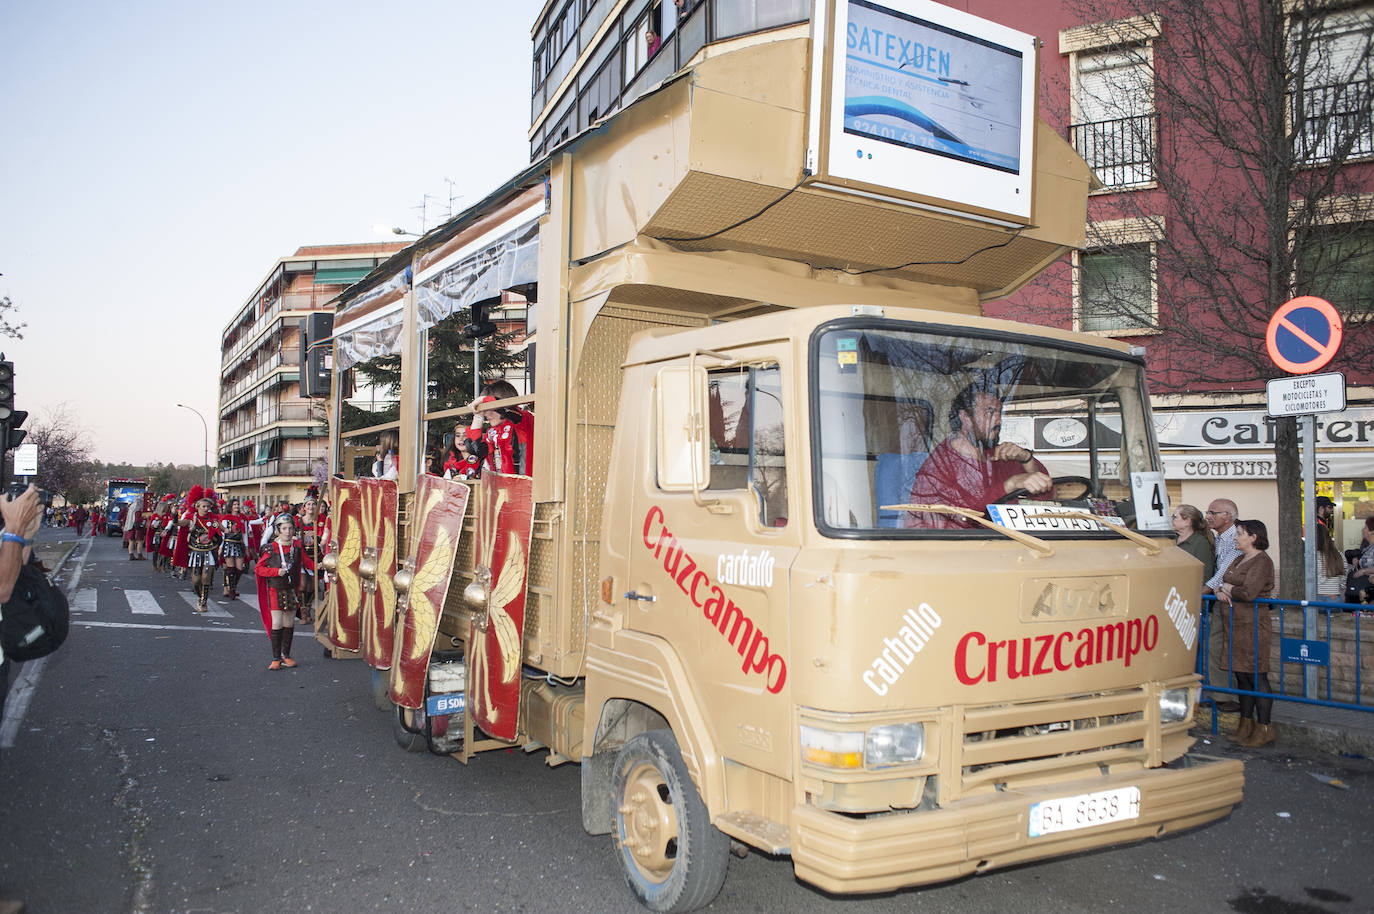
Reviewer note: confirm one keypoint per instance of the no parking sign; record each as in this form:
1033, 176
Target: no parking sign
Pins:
1304, 334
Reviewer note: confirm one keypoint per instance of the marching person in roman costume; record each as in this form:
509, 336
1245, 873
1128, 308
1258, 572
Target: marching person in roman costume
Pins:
203, 538
234, 550
278, 569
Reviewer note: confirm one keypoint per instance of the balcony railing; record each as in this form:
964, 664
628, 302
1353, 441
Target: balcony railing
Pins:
253, 421
277, 466
1120, 151
1332, 122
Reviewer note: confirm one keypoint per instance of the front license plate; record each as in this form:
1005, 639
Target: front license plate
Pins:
1084, 811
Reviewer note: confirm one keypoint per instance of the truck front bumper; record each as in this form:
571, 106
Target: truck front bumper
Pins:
845, 855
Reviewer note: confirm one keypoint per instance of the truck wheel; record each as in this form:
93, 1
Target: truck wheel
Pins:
671, 855
410, 742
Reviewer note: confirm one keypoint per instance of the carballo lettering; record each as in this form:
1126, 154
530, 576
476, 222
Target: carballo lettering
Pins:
976, 659
727, 618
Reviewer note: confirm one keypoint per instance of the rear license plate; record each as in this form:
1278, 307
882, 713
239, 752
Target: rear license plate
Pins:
1084, 811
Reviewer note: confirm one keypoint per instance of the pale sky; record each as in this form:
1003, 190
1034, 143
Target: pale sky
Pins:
157, 158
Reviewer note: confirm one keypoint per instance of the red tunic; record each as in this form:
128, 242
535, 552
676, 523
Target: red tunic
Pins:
271, 560
504, 439
950, 478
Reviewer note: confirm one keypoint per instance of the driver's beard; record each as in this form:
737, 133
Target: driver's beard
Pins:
988, 442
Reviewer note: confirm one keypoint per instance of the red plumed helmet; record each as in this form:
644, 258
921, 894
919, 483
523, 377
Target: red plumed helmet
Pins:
194, 496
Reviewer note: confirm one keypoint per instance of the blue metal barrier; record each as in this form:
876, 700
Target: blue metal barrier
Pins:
1307, 653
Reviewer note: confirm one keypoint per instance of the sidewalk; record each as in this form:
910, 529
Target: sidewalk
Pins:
1333, 730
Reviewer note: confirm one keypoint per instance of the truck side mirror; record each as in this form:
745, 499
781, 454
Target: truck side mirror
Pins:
683, 446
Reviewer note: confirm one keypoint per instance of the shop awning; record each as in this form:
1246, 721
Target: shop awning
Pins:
345, 276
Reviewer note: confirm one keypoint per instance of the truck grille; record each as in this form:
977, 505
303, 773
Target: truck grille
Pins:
1013, 745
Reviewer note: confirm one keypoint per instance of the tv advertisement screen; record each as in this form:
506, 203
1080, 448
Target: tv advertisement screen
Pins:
918, 101
924, 86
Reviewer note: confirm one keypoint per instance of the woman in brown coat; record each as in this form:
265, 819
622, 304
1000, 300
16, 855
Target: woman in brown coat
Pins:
1250, 577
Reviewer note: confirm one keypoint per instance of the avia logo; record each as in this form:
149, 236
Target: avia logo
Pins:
1065, 601
727, 618
900, 650
976, 659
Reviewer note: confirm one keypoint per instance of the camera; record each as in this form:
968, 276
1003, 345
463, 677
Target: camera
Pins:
19, 488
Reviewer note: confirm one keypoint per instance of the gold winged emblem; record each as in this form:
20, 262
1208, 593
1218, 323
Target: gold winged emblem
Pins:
493, 617
425, 620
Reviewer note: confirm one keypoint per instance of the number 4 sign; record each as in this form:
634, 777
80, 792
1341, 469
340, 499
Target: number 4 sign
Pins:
1151, 502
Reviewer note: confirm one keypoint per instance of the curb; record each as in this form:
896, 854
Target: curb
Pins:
1321, 736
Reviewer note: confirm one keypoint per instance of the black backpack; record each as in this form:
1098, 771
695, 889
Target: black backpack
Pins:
35, 617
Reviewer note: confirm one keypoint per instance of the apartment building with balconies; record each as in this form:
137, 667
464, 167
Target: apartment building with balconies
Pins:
270, 439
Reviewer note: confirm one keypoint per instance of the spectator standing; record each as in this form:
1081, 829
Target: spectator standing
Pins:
1248, 578
1359, 584
1221, 518
1330, 567
79, 519
1194, 538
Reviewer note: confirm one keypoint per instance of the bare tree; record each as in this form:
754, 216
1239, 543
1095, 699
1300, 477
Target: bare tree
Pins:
1244, 190
64, 452
8, 311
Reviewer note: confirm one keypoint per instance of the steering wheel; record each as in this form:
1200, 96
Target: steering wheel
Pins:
1055, 483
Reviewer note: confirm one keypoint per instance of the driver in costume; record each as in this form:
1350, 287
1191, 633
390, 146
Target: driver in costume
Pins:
970, 468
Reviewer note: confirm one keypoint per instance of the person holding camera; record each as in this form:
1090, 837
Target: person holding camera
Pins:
509, 435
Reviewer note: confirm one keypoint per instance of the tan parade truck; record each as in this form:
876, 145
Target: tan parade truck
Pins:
814, 558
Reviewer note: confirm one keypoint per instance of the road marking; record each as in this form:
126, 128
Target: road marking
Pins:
75, 580
143, 603
18, 701
251, 599
84, 601
211, 610
164, 628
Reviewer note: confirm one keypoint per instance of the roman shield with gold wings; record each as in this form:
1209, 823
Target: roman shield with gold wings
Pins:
345, 554
505, 520
378, 566
422, 583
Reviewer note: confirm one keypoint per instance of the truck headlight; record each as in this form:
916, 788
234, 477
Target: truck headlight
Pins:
895, 744
1173, 705
877, 747
832, 748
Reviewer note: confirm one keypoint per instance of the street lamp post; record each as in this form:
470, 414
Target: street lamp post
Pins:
206, 429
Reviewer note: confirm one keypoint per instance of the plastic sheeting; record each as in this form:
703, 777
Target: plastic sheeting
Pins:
378, 337
510, 262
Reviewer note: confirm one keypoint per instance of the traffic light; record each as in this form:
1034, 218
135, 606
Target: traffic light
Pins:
14, 435
6, 389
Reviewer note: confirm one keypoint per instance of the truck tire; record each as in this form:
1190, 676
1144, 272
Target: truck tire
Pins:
671, 855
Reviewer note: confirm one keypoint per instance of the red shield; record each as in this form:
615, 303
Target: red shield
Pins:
436, 526
377, 618
505, 519
345, 594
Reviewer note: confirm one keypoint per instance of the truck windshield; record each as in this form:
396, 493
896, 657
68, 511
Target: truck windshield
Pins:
1018, 429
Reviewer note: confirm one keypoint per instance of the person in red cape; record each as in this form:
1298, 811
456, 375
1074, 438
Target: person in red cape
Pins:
157, 527
234, 550
313, 544
188, 508
278, 569
203, 538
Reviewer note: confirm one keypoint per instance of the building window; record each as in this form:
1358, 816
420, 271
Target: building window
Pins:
1337, 263
1112, 121
1115, 289
1330, 106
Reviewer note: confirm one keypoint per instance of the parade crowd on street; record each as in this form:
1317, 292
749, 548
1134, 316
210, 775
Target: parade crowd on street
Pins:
193, 536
